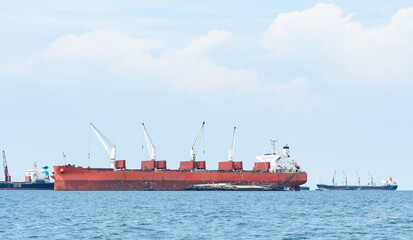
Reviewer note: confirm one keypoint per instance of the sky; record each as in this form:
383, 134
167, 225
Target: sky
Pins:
332, 79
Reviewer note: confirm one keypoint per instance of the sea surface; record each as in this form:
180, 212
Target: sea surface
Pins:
206, 215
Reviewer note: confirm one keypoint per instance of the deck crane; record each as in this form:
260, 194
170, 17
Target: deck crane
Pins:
108, 145
371, 179
334, 176
232, 147
358, 177
151, 147
195, 146
7, 177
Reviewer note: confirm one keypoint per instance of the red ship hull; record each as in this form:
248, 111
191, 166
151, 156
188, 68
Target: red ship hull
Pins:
69, 178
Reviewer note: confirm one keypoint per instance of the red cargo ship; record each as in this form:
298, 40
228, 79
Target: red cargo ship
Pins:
70, 178
277, 172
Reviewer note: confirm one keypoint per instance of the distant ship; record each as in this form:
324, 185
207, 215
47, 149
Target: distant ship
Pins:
34, 180
273, 171
386, 184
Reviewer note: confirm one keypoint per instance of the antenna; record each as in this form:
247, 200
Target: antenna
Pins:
273, 140
64, 159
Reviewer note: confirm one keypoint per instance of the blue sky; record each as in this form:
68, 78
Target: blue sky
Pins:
330, 78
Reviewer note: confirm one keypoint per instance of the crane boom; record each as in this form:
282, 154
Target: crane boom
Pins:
232, 147
107, 144
7, 177
197, 143
151, 147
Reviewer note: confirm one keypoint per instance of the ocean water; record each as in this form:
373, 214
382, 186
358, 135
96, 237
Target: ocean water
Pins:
206, 215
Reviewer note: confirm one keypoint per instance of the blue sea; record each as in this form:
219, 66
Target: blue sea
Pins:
206, 215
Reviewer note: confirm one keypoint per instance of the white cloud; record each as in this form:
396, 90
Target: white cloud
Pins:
132, 61
332, 43
97, 45
299, 94
107, 51
74, 55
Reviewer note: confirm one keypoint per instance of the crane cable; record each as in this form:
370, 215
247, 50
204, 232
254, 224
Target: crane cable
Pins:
88, 155
203, 145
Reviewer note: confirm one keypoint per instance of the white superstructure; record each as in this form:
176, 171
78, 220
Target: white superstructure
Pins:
279, 162
388, 182
37, 176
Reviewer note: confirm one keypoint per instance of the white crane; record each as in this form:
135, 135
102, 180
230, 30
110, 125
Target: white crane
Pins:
232, 147
151, 147
195, 146
108, 145
345, 178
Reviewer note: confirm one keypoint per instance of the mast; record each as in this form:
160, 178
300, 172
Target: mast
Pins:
7, 177
232, 147
358, 177
197, 143
273, 140
107, 144
64, 159
151, 147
